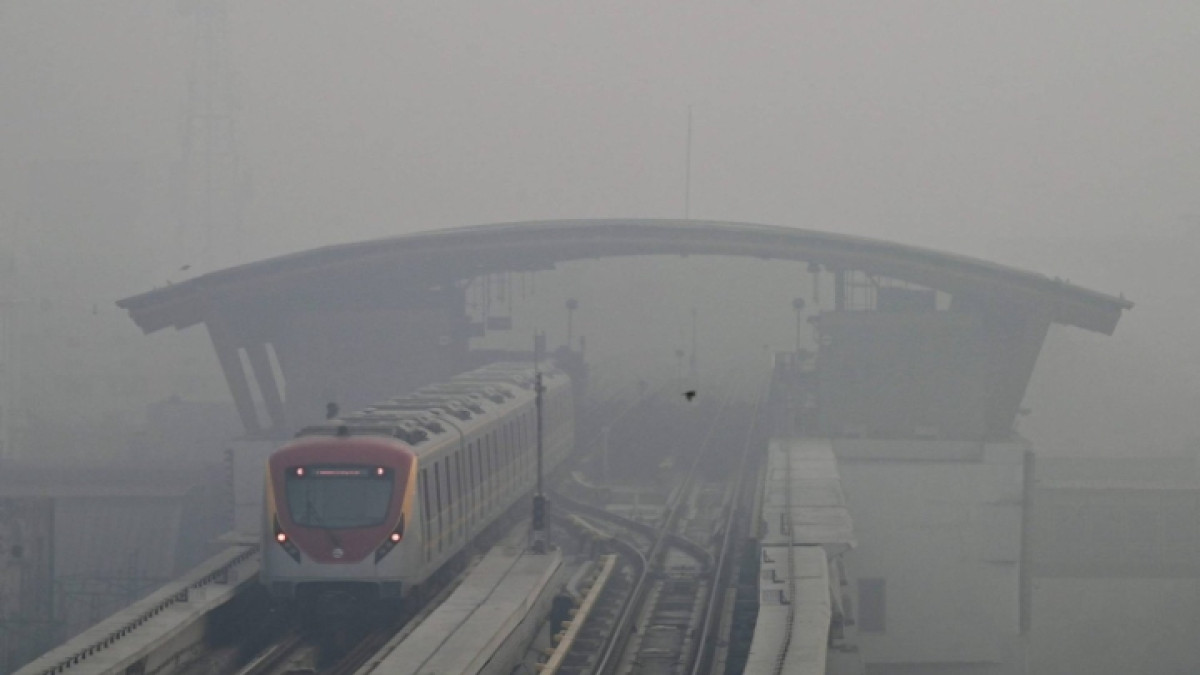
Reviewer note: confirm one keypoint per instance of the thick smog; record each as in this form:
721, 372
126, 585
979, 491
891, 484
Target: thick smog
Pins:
717, 338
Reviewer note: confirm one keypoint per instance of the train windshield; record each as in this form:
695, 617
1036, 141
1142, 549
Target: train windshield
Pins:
338, 498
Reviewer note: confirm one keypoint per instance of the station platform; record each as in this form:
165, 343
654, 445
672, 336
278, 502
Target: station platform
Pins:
486, 623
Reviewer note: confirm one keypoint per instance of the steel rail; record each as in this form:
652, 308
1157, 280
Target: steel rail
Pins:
590, 600
615, 646
686, 545
716, 589
274, 656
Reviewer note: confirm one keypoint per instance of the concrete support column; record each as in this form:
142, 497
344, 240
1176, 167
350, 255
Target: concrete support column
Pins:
260, 362
1020, 342
235, 374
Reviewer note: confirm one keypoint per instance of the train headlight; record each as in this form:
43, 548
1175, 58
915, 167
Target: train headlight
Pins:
390, 543
286, 542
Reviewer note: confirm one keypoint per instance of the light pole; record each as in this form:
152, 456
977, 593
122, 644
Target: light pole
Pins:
815, 270
798, 305
571, 305
540, 532
604, 452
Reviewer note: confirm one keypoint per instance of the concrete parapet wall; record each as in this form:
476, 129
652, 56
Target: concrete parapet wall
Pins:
158, 631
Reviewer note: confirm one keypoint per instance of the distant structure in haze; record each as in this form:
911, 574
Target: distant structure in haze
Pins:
211, 187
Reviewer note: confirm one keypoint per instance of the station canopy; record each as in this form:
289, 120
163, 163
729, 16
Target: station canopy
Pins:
371, 271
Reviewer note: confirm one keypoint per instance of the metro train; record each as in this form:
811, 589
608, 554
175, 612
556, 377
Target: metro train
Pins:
370, 505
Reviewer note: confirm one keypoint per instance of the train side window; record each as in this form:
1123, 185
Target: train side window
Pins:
437, 486
522, 458
479, 464
437, 492
461, 481
476, 486
487, 458
508, 438
428, 513
471, 466
522, 450
501, 465
503, 460
450, 510
515, 453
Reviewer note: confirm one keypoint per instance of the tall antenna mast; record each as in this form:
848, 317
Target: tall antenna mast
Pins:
687, 170
211, 187
692, 355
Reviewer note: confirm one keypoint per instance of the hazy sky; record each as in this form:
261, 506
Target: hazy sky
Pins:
950, 124
916, 121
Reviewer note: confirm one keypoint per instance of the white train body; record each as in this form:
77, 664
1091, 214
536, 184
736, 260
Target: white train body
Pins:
371, 504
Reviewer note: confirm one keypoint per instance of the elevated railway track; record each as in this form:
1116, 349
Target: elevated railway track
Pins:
657, 607
667, 620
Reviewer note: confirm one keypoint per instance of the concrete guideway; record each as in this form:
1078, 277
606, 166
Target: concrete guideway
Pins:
804, 579
803, 611
168, 625
485, 625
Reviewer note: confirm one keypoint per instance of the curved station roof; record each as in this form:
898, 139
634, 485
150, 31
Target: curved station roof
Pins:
447, 255
428, 259
306, 305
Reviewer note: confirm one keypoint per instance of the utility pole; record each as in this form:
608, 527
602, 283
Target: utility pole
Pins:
540, 533
798, 305
604, 453
572, 305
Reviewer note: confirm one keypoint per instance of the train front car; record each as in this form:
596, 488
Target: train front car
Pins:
337, 508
